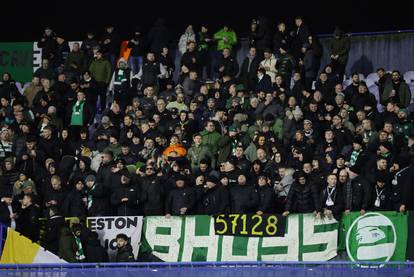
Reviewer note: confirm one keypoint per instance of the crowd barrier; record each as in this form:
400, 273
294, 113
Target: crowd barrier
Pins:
222, 269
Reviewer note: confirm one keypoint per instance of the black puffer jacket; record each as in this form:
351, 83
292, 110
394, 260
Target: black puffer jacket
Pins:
125, 255
180, 198
100, 201
95, 253
152, 195
244, 199
51, 238
130, 207
74, 204
303, 198
213, 201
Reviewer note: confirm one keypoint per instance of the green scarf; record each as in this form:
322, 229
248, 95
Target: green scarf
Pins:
90, 196
354, 157
77, 114
79, 253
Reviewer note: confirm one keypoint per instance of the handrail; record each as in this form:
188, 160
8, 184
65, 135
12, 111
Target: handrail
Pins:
198, 264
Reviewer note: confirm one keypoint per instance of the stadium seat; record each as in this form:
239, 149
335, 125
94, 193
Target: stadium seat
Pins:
371, 79
409, 77
346, 83
19, 87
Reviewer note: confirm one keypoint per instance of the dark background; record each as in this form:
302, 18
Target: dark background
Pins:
25, 21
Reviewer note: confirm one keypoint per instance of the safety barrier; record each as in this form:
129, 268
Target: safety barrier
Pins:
228, 269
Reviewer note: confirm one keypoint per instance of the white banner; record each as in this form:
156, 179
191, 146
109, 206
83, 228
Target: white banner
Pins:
109, 226
193, 238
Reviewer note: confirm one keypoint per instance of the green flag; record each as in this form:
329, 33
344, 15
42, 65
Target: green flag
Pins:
17, 59
375, 236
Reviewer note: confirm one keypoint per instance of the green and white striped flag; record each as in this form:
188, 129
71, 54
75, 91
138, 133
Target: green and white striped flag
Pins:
193, 238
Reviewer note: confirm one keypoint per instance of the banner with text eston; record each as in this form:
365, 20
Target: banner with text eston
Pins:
109, 226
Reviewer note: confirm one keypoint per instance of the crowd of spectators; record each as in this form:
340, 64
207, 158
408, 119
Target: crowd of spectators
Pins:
94, 135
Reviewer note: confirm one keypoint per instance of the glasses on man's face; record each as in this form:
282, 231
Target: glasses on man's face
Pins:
149, 168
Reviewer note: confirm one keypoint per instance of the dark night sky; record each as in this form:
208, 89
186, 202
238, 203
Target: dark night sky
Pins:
73, 18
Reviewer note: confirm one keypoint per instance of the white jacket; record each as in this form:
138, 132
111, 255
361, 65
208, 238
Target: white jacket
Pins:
270, 66
184, 39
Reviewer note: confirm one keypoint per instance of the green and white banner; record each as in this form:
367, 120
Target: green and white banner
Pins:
375, 236
192, 238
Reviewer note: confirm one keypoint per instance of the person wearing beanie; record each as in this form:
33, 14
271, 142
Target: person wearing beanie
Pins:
97, 203
359, 191
266, 195
182, 199
303, 196
75, 202
214, 198
339, 52
358, 154
70, 245
285, 64
119, 85
125, 198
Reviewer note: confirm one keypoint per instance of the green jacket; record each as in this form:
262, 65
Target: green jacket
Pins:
231, 39
210, 140
78, 58
404, 93
196, 154
67, 246
227, 144
277, 128
405, 129
101, 70
115, 149
251, 152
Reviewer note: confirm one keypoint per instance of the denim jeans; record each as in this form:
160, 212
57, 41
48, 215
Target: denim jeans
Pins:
135, 63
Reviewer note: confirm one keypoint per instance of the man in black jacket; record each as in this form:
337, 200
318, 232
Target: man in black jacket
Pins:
53, 227
191, 59
137, 45
264, 82
227, 65
125, 198
95, 252
381, 198
124, 254
8, 209
302, 197
55, 194
214, 198
402, 187
357, 196
105, 170
243, 197
28, 219
152, 192
181, 200
266, 195
332, 199
97, 201
111, 44
248, 72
